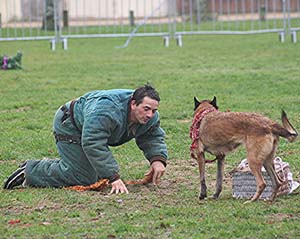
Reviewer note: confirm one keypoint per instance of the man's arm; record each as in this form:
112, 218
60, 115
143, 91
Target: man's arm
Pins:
95, 133
152, 143
154, 148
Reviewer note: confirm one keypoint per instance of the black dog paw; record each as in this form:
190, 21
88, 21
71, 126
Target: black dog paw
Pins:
202, 196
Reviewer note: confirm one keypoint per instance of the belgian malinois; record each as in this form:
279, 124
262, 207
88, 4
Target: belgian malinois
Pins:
219, 133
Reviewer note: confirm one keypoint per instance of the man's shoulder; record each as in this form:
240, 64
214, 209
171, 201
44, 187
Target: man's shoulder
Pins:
113, 103
113, 93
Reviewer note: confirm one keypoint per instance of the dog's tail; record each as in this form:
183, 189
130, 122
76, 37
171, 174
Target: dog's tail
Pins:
287, 131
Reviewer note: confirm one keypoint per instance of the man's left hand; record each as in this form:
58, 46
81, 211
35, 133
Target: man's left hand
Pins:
157, 170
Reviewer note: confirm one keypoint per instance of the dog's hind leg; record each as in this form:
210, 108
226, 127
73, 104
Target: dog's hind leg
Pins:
258, 149
220, 173
270, 168
260, 182
201, 166
276, 181
255, 161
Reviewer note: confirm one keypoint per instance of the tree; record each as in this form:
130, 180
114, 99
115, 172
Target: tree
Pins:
49, 14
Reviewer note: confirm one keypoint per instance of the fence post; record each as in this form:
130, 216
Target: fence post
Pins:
288, 6
65, 44
166, 41
131, 18
56, 20
282, 34
294, 36
66, 18
179, 40
52, 44
262, 12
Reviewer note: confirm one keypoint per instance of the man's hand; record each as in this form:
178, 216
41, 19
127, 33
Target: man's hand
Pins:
118, 187
156, 171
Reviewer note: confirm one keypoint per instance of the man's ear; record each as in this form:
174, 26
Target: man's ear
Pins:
133, 102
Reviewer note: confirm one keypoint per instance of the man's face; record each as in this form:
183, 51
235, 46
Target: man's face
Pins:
144, 111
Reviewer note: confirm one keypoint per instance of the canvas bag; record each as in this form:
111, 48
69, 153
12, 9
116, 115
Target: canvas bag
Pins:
244, 184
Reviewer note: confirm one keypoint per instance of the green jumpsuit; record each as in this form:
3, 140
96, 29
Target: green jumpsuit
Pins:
100, 120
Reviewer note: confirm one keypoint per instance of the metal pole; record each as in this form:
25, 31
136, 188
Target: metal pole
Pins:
132, 34
284, 15
294, 36
131, 18
169, 17
179, 37
174, 8
66, 18
289, 16
55, 5
59, 12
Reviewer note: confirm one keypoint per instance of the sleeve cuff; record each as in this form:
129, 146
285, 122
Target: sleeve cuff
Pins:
160, 159
113, 178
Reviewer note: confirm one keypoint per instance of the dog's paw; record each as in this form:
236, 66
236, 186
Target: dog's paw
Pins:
250, 201
202, 196
215, 196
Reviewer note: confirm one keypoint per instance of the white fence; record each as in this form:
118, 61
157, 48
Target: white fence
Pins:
58, 20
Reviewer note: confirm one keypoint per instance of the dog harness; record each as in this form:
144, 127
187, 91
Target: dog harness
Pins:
194, 130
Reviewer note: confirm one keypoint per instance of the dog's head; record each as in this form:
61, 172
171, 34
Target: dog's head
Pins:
205, 102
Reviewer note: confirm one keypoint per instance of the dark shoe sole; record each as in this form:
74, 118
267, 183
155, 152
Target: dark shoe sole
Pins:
16, 179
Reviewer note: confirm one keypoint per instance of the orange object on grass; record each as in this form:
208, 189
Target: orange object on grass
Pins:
103, 183
97, 186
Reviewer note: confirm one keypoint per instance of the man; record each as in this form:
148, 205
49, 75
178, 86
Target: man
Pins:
84, 130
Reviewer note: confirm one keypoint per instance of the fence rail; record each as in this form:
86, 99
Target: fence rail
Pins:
58, 20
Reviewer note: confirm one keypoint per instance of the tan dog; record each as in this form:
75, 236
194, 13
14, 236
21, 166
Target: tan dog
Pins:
219, 133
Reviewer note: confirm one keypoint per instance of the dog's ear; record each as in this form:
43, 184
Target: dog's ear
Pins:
214, 103
196, 103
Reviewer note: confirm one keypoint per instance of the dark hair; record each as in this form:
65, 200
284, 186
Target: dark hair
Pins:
146, 90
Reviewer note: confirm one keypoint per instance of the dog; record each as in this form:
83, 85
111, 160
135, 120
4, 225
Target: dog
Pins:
219, 133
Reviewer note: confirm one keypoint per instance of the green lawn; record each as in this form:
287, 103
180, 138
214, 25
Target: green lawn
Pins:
253, 73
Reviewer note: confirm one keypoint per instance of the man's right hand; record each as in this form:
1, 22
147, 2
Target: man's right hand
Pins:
118, 187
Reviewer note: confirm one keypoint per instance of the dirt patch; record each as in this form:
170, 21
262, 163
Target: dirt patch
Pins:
180, 180
16, 110
184, 173
184, 121
280, 217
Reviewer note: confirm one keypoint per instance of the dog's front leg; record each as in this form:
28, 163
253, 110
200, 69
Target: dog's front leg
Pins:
201, 166
220, 172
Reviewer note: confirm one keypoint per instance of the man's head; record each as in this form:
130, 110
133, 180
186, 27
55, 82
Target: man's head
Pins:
144, 91
144, 104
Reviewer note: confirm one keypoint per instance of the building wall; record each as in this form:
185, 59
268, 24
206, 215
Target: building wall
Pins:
236, 6
15, 10
115, 8
10, 10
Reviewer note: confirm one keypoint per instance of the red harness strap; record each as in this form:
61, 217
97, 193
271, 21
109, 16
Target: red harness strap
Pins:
194, 130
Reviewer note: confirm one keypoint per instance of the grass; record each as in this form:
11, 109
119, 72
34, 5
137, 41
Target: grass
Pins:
245, 73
